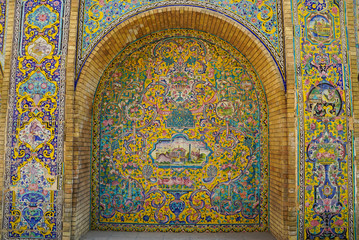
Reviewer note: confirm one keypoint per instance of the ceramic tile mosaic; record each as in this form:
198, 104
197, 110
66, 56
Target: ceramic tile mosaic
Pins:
180, 138
262, 18
33, 177
324, 121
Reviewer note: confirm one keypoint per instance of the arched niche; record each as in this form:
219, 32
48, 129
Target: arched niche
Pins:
170, 18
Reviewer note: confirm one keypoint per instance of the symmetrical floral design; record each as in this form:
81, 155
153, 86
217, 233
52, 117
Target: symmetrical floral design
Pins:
42, 17
180, 140
33, 202
324, 112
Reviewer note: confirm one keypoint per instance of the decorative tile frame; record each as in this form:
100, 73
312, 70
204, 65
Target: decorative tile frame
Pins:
90, 22
34, 155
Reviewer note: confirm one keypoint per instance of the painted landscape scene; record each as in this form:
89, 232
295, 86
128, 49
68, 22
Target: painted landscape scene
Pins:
180, 152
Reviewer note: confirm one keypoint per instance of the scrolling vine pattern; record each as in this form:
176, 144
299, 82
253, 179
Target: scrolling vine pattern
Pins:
262, 18
180, 138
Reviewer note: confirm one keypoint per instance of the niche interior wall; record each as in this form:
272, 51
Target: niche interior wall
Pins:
134, 28
180, 138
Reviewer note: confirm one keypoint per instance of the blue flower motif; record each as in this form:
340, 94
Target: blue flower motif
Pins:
208, 218
122, 219
146, 218
238, 219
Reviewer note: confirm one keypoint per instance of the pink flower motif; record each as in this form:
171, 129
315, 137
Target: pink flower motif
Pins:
334, 10
339, 222
314, 223
134, 109
42, 17
313, 126
340, 127
108, 122
33, 187
326, 201
327, 204
211, 73
250, 119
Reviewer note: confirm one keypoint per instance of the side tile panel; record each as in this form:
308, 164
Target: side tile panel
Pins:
33, 171
3, 20
324, 121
